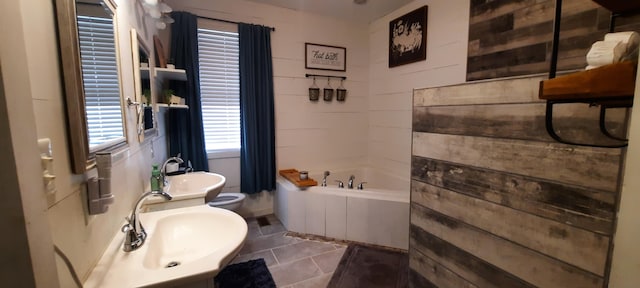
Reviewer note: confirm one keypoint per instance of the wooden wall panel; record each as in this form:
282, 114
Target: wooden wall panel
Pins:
535, 268
578, 247
592, 167
495, 203
475, 270
572, 121
437, 274
589, 209
513, 37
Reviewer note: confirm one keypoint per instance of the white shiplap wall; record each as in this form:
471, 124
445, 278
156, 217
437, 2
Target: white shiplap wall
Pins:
314, 136
390, 89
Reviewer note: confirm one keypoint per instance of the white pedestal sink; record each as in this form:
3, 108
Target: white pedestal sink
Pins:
184, 245
187, 190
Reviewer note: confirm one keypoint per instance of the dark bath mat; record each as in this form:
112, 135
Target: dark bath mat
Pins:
250, 274
371, 267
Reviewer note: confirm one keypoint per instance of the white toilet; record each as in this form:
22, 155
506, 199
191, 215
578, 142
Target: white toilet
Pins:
229, 201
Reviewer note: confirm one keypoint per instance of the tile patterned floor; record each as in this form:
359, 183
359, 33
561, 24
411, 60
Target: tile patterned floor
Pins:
293, 262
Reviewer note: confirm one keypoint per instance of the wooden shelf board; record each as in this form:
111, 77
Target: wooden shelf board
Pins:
171, 74
619, 6
172, 106
294, 177
610, 81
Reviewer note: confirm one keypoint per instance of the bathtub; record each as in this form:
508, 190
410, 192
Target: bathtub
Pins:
378, 214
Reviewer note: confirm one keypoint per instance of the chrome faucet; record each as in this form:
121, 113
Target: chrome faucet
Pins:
324, 179
361, 185
163, 170
340, 184
134, 232
351, 178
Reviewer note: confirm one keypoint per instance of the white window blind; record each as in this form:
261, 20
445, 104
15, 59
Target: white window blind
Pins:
100, 81
220, 89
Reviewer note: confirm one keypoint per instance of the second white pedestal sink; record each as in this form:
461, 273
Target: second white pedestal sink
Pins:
183, 246
188, 190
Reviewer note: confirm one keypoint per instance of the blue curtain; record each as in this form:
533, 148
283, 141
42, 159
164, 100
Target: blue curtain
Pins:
258, 154
185, 131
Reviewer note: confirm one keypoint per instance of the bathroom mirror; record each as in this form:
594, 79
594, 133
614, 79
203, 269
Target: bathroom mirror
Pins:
143, 69
87, 38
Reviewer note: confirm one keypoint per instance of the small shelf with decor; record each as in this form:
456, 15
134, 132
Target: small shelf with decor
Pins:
164, 74
170, 74
619, 6
614, 82
608, 86
171, 106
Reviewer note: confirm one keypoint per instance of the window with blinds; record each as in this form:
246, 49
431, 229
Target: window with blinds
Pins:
220, 89
100, 81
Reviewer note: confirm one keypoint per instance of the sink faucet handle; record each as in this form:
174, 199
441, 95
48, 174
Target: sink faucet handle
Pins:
126, 227
340, 184
361, 185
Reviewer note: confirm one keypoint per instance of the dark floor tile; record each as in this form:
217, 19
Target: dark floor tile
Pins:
267, 242
267, 255
317, 282
301, 250
271, 229
329, 261
294, 272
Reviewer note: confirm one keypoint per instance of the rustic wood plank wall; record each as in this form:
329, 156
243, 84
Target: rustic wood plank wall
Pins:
513, 37
496, 203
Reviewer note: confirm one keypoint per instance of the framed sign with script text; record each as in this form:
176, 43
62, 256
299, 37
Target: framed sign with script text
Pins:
324, 57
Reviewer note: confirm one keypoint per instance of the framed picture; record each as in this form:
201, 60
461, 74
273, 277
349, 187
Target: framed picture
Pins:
325, 57
408, 38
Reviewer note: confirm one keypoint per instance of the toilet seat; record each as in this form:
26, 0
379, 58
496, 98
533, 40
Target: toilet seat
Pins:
224, 199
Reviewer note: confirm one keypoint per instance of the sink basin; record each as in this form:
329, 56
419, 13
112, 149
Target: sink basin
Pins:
183, 246
192, 185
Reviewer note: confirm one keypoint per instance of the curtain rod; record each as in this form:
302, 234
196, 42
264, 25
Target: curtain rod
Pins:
227, 21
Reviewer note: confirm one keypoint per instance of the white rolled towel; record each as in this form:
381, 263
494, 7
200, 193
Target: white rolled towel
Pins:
604, 53
630, 39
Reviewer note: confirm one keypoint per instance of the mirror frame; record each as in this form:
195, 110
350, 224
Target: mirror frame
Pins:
69, 52
137, 44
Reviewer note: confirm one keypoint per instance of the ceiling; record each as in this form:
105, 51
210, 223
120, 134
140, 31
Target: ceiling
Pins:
345, 10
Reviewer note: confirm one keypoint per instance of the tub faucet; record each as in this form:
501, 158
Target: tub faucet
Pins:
351, 178
361, 185
163, 170
324, 179
340, 184
134, 232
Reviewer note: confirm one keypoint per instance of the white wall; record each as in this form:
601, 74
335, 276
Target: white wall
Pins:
313, 136
27, 248
626, 254
83, 238
391, 89
373, 126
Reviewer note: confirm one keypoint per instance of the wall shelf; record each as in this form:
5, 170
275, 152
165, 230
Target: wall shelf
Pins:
609, 86
171, 106
325, 76
170, 74
595, 86
164, 74
619, 6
